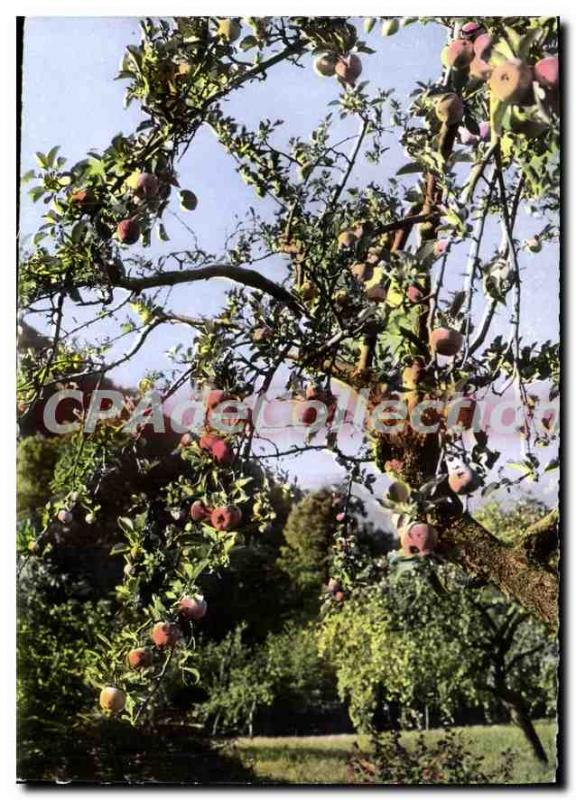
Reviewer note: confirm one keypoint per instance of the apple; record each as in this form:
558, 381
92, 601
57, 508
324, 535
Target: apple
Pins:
83, 199
415, 294
483, 46
207, 441
348, 69
112, 699
511, 82
471, 30
534, 245
480, 69
362, 271
446, 341
262, 334
547, 72
188, 200
225, 518
325, 65
308, 291
460, 53
221, 451
166, 634
140, 658
128, 231
198, 511
147, 185
193, 608
418, 539
215, 397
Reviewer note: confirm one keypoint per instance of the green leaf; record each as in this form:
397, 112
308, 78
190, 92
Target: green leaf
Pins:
78, 232
390, 27
51, 155
36, 193
369, 23
410, 168
248, 42
27, 177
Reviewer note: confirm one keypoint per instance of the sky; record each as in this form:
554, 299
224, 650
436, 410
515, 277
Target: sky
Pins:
71, 99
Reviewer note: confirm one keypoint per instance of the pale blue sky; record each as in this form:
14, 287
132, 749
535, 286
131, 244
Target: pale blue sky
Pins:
71, 99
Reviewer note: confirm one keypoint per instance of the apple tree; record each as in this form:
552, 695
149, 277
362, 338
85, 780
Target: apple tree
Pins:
372, 304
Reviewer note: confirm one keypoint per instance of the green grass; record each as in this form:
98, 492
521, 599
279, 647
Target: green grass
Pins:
322, 759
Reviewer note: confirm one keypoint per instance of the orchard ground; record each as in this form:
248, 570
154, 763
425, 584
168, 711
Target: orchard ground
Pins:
323, 759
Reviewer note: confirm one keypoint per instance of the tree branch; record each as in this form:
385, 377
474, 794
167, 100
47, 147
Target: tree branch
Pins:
469, 544
246, 277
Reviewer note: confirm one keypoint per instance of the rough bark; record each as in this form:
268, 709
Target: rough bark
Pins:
535, 587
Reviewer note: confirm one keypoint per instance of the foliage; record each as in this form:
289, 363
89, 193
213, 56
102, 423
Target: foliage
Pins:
242, 680
511, 522
446, 761
309, 534
427, 639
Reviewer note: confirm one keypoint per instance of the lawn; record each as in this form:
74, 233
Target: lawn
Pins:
322, 759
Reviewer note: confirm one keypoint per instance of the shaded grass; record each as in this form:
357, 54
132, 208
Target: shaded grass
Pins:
322, 759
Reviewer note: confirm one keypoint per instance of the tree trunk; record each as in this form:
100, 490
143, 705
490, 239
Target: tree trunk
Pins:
466, 542
519, 716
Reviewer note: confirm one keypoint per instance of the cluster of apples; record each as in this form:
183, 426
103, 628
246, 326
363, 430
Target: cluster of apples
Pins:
164, 635
511, 81
146, 188
223, 518
346, 68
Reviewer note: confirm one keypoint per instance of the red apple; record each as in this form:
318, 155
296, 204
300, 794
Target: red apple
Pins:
128, 231
166, 634
225, 518
147, 185
460, 53
140, 658
471, 30
446, 341
483, 46
418, 539
193, 608
207, 441
348, 69
222, 453
547, 72
198, 511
